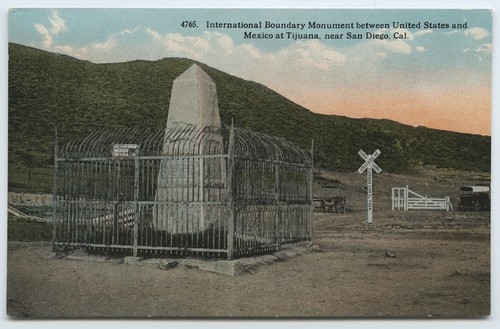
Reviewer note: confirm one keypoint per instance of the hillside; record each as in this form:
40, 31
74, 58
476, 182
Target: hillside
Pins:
47, 89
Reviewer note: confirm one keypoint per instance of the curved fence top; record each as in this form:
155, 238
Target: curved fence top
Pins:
185, 140
100, 143
252, 144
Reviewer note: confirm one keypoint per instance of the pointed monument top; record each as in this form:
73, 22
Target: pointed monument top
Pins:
194, 100
194, 72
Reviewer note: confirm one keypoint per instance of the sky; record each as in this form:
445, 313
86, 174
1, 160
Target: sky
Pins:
438, 76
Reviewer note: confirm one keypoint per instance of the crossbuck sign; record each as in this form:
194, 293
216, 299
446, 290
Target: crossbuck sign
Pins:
369, 165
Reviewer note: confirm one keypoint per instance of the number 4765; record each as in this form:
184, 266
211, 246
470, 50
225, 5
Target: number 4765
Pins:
189, 24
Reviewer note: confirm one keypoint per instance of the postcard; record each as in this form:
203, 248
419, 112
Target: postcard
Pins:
251, 163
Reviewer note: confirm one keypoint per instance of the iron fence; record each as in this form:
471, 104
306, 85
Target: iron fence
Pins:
216, 192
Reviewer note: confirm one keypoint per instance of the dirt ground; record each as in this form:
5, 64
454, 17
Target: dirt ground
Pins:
405, 265
416, 266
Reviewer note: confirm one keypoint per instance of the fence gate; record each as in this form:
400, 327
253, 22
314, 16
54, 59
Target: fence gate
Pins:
405, 199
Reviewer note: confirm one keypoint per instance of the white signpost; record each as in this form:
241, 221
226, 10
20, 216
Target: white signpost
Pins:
369, 165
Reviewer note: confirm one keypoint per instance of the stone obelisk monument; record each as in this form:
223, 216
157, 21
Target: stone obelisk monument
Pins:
183, 182
193, 100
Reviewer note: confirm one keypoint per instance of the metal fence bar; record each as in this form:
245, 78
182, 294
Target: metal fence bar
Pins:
310, 185
136, 203
54, 190
230, 195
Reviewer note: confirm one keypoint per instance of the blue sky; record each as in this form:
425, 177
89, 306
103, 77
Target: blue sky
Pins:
437, 77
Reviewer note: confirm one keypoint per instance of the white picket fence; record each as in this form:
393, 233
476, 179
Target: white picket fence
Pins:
405, 199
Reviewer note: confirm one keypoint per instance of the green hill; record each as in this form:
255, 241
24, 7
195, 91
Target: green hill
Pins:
47, 89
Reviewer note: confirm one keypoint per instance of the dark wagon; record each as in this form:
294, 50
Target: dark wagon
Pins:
328, 202
474, 198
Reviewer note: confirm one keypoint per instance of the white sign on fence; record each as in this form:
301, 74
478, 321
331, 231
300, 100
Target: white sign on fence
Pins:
124, 150
369, 165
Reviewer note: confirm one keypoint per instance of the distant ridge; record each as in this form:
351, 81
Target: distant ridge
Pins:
79, 96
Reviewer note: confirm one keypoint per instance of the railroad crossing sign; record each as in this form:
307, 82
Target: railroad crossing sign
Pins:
369, 165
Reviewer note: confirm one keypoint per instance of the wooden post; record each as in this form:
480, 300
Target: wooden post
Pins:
230, 194
406, 198
392, 199
369, 165
369, 194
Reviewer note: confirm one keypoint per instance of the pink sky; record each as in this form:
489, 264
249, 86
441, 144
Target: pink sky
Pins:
467, 111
